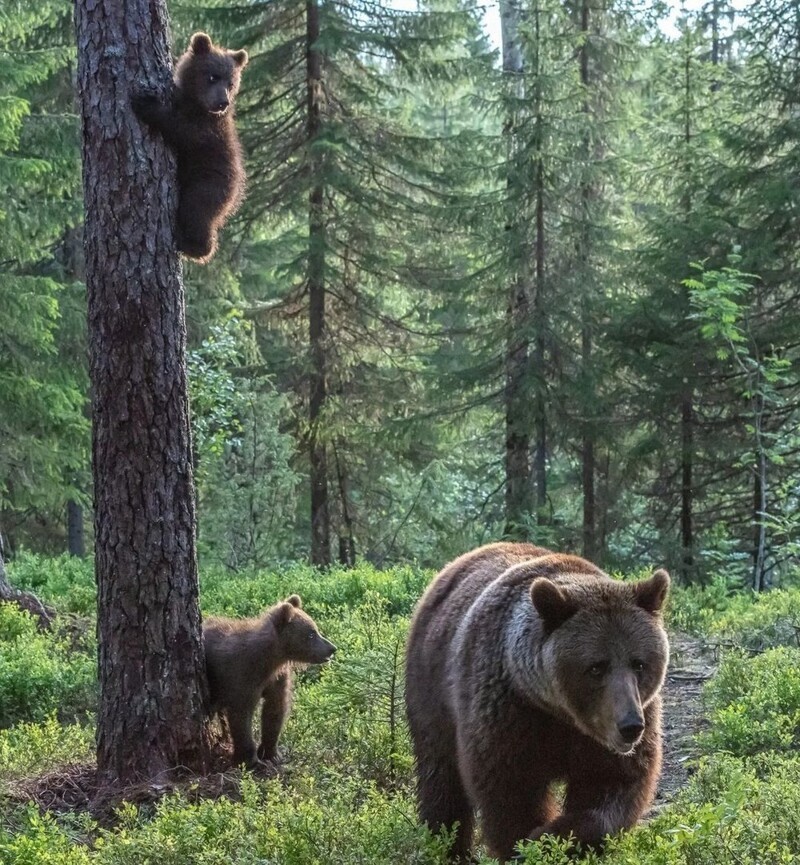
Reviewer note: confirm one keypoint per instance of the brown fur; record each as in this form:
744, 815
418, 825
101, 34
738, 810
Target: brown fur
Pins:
526, 667
197, 122
248, 660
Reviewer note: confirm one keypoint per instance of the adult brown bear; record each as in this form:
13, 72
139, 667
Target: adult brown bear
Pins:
197, 123
526, 667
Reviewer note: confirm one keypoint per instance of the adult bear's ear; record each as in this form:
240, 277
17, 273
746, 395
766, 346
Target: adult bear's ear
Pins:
651, 594
240, 58
295, 601
200, 43
552, 603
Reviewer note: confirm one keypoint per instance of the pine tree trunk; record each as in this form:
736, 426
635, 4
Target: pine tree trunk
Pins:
320, 514
759, 512
75, 546
518, 438
587, 472
587, 197
687, 398
347, 541
540, 403
759, 489
687, 452
153, 690
539, 315
517, 359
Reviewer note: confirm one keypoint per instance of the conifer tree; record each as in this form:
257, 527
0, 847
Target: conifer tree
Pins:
153, 694
662, 340
42, 424
344, 191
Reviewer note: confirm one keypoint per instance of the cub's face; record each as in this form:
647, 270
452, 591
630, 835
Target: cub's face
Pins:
608, 661
300, 638
210, 76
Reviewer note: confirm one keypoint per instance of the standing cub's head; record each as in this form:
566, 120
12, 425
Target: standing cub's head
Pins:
208, 76
300, 640
604, 651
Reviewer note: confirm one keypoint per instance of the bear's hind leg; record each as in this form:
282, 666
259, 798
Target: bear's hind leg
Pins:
277, 701
443, 802
240, 723
198, 214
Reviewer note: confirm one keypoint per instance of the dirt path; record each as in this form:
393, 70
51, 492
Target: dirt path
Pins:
691, 665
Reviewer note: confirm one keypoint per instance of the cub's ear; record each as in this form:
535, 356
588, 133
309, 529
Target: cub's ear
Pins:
282, 614
295, 601
553, 604
651, 594
200, 43
240, 58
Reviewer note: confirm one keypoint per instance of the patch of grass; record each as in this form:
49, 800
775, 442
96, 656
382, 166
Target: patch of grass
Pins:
346, 797
352, 712
247, 594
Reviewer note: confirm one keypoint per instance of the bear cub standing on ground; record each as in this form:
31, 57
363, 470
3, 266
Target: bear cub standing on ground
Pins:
526, 667
197, 123
248, 660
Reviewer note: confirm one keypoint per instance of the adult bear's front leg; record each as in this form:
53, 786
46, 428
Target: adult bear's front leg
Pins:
594, 809
508, 792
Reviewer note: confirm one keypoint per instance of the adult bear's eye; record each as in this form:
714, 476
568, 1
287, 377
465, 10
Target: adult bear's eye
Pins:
637, 666
596, 670
212, 79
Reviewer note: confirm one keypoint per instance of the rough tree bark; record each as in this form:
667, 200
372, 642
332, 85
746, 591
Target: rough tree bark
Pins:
153, 689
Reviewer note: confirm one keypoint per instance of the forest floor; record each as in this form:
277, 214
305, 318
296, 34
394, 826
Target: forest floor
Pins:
692, 664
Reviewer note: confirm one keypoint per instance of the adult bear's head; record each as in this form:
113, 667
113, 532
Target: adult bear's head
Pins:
604, 651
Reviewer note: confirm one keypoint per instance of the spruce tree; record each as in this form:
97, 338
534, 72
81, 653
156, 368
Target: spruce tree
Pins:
42, 380
341, 225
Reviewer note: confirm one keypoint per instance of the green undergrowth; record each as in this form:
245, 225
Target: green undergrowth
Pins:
346, 794
746, 620
753, 703
345, 821
43, 673
67, 584
34, 748
734, 811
